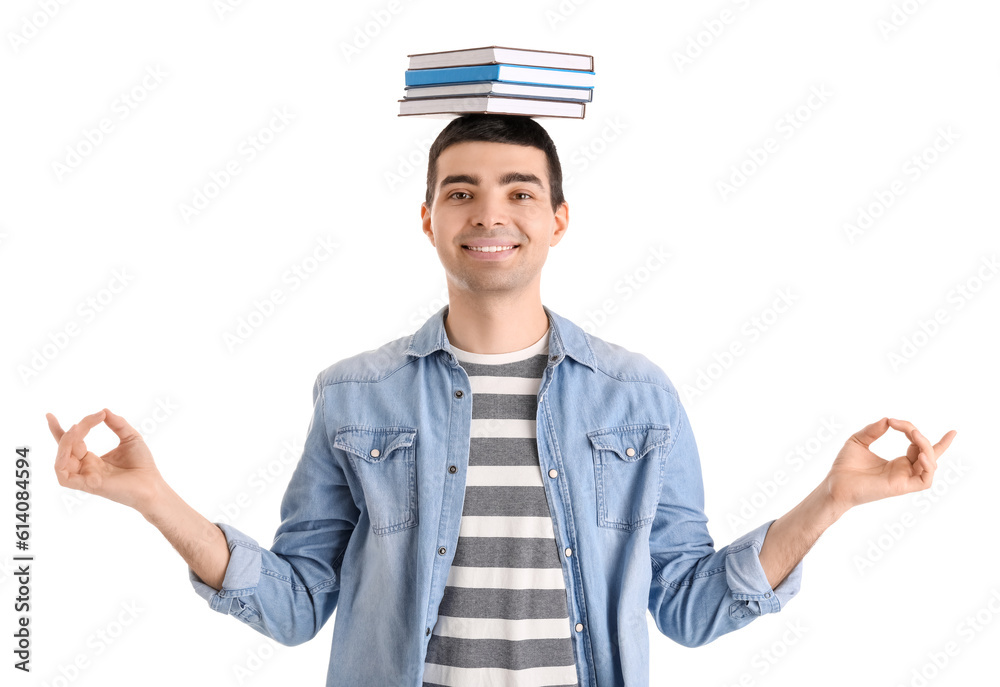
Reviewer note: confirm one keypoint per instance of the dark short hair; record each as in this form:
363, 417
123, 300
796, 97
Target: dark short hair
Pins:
497, 128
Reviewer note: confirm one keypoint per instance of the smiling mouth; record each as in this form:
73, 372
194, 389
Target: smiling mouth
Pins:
490, 249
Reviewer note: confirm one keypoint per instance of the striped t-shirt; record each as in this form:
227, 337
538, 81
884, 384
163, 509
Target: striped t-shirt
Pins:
503, 619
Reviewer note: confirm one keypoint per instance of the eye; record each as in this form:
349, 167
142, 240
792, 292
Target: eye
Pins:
452, 195
527, 196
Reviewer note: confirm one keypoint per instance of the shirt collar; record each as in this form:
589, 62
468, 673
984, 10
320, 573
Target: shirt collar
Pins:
565, 337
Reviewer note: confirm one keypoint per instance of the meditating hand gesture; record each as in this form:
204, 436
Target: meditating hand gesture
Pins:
858, 475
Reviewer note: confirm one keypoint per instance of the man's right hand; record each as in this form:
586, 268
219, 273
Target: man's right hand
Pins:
125, 474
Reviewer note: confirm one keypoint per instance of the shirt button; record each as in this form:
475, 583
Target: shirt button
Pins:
428, 631
569, 552
630, 452
442, 550
579, 627
374, 453
458, 394
452, 469
768, 595
553, 473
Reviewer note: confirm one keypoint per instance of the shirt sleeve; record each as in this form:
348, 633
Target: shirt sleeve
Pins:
289, 591
697, 593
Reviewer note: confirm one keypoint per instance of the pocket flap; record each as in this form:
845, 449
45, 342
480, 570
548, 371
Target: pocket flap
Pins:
637, 440
373, 444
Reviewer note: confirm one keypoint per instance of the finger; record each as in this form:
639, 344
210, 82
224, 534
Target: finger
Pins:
914, 435
65, 449
91, 421
924, 464
945, 442
54, 427
926, 476
73, 437
119, 426
73, 480
870, 433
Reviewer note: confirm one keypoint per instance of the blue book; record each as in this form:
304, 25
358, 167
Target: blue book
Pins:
512, 73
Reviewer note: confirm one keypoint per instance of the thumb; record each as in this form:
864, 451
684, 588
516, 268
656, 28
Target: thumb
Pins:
866, 435
119, 426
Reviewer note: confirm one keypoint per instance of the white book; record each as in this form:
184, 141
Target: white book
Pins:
500, 88
530, 107
494, 54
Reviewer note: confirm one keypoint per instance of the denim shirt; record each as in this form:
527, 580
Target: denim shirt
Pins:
371, 515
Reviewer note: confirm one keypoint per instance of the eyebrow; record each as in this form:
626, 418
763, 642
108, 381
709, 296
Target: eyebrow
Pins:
506, 178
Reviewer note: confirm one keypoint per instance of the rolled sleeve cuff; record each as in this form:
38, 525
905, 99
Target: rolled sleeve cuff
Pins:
242, 573
747, 579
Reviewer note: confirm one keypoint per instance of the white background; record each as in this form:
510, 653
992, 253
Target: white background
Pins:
660, 134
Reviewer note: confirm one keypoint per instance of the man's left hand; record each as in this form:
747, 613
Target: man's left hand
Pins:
859, 476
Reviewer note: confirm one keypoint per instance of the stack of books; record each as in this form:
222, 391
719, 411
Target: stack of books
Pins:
533, 83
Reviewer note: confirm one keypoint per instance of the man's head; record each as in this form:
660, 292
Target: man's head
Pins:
490, 212
496, 128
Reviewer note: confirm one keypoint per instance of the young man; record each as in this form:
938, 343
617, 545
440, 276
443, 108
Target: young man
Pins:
500, 497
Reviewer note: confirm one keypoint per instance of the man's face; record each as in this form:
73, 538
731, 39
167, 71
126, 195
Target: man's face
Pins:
493, 195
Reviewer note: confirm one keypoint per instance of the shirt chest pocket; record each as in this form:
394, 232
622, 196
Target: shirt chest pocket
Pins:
384, 459
628, 467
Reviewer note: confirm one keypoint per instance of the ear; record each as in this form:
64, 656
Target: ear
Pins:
425, 219
561, 222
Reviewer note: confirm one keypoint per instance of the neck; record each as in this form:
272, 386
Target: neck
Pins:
480, 323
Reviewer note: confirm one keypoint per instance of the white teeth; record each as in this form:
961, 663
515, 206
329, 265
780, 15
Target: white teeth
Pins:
490, 249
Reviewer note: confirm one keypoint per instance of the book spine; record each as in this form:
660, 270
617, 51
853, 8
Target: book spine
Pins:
426, 77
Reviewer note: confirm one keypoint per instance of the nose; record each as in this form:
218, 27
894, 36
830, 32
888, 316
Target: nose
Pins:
490, 210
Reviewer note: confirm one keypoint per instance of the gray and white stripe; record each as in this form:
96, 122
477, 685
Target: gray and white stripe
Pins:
503, 619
